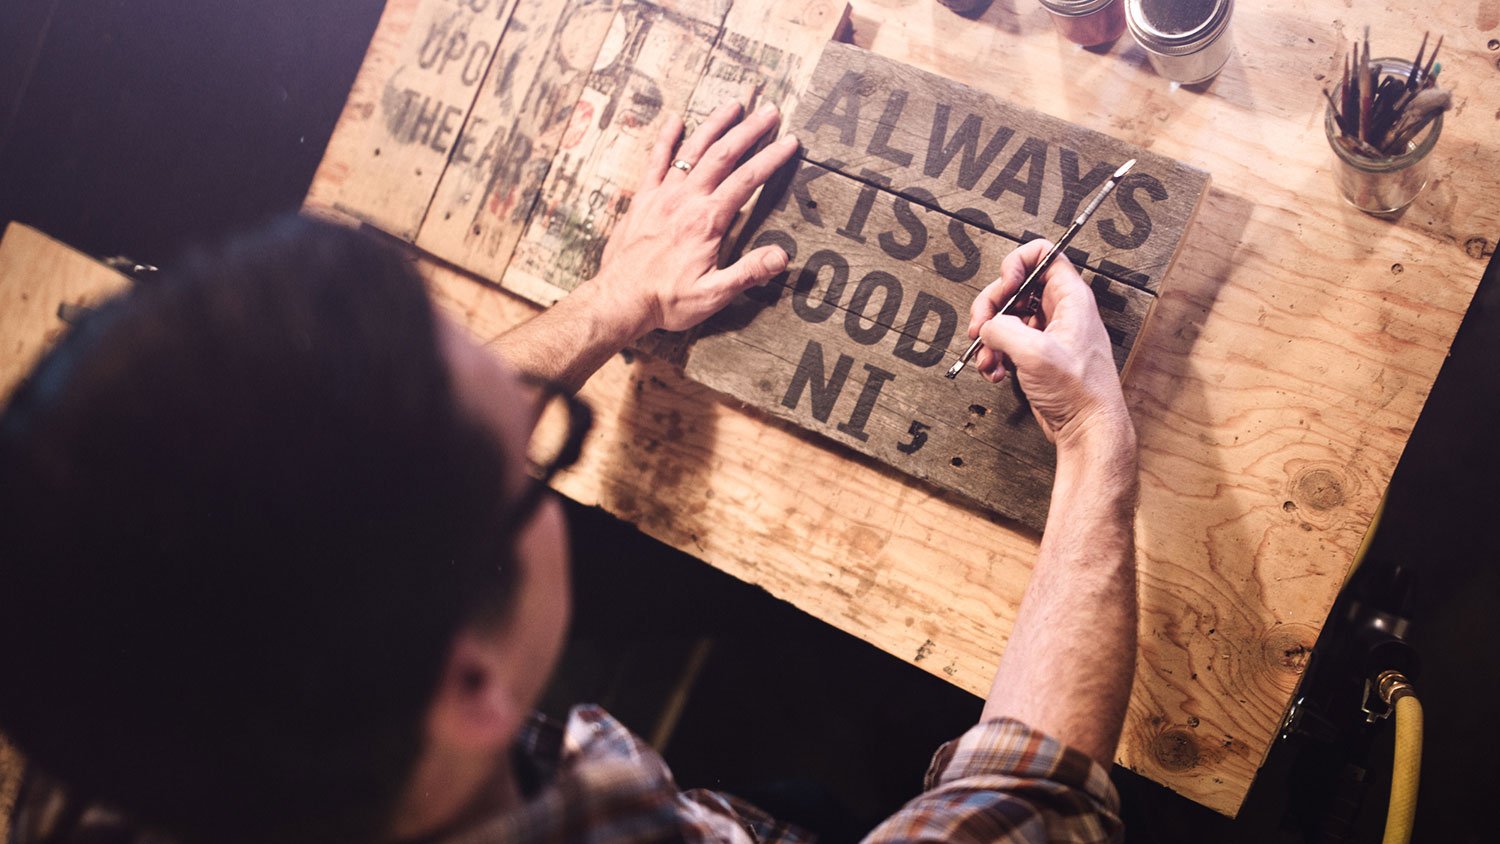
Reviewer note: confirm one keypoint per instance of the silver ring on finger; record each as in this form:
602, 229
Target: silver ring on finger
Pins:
682, 165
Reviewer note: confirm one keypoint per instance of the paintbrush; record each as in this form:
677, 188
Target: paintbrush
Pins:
1032, 285
1380, 117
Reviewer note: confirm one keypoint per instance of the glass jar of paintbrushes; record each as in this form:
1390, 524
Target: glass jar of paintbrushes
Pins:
1382, 122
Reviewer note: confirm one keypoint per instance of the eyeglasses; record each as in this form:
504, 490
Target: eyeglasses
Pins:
563, 423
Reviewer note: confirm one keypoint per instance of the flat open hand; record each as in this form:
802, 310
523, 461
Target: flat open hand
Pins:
1061, 354
661, 264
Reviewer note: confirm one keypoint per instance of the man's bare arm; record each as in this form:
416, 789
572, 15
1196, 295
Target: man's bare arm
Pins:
659, 269
1070, 661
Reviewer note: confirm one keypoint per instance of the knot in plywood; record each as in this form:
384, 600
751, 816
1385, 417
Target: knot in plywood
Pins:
1320, 489
1287, 647
1175, 750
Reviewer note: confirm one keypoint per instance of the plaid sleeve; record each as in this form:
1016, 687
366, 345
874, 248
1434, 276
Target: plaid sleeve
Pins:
1005, 782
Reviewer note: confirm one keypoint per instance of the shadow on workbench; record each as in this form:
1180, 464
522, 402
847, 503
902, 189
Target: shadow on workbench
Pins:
136, 127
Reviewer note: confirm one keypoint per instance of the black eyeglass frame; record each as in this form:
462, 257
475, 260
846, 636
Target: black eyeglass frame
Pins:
580, 422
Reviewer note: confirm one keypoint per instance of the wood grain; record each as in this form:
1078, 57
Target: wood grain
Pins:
761, 55
1273, 391
650, 65
852, 340
405, 115
37, 276
491, 184
1029, 172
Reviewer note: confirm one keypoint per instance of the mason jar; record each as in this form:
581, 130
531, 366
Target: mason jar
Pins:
1088, 23
1388, 183
1187, 41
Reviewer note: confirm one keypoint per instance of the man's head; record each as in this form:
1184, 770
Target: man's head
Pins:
255, 562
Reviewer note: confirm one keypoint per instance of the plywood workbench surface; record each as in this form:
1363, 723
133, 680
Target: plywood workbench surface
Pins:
1273, 392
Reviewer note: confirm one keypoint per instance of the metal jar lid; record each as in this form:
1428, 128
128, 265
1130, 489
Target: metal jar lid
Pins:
1177, 27
1075, 8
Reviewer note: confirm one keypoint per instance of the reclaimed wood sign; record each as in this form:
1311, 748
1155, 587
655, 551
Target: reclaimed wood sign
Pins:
910, 191
507, 137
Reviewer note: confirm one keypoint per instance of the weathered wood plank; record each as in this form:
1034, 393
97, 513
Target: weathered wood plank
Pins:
403, 118
648, 69
852, 340
37, 275
764, 54
507, 145
1028, 171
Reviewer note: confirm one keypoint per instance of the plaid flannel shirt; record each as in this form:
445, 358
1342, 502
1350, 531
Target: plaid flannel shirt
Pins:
594, 781
1000, 782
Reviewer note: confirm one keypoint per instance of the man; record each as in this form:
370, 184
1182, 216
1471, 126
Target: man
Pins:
278, 564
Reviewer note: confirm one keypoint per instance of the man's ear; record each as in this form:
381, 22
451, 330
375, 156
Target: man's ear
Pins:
475, 706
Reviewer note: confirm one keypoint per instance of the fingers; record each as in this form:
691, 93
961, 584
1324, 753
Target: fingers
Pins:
719, 160
1064, 286
661, 152
988, 302
757, 266
697, 144
737, 188
1009, 336
1013, 272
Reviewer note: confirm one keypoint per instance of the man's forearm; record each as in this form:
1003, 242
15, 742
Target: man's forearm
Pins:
1068, 667
569, 341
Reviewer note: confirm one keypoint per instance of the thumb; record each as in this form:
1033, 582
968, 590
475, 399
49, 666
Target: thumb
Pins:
1013, 338
757, 266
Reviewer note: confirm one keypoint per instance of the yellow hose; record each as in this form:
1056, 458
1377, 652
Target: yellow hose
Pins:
1406, 772
1364, 544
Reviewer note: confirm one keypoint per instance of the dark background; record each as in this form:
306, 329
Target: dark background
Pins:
137, 126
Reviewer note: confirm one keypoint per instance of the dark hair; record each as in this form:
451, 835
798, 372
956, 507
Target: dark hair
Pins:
243, 518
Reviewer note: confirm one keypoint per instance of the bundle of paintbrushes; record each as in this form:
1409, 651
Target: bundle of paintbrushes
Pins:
1378, 112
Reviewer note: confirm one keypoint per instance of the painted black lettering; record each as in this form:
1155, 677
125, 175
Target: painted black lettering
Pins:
918, 433
973, 163
1134, 278
915, 229
770, 292
875, 379
397, 125
967, 249
519, 154
1140, 221
458, 45
1108, 299
426, 117
808, 279
809, 379
1033, 156
840, 109
478, 61
880, 142
1076, 189
446, 127
859, 303
434, 43
868, 190
923, 307
464, 152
